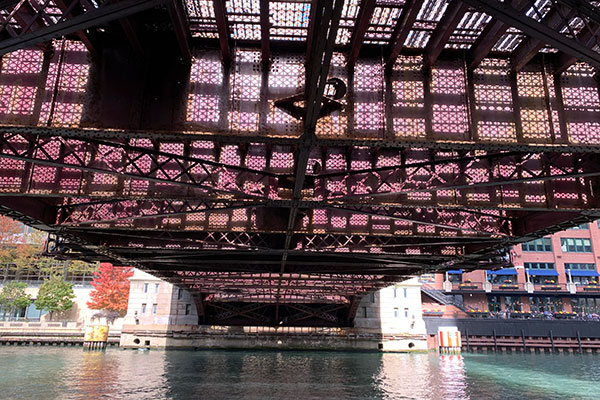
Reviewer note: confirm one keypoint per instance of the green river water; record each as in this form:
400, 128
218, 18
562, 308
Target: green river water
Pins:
71, 373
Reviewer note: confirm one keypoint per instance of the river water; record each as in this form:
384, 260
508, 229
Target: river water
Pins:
71, 373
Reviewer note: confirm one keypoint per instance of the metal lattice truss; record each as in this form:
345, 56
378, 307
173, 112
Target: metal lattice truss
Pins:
520, 27
449, 197
295, 155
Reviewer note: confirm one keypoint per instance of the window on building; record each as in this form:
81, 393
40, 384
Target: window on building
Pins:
154, 308
145, 288
188, 309
455, 278
540, 280
13, 315
581, 266
582, 280
156, 285
395, 290
539, 265
513, 303
405, 293
586, 305
494, 304
372, 297
427, 278
365, 312
143, 308
543, 244
406, 313
545, 304
179, 294
576, 245
500, 279
396, 314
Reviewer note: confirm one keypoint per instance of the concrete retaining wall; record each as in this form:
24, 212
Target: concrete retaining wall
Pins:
268, 338
47, 333
515, 327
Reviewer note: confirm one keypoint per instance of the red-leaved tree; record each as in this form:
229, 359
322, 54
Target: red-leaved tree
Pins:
9, 230
111, 289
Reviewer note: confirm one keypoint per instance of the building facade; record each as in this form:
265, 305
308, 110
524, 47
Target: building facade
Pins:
34, 277
155, 309
554, 274
395, 313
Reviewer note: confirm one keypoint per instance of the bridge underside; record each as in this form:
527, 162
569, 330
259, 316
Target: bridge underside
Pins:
280, 159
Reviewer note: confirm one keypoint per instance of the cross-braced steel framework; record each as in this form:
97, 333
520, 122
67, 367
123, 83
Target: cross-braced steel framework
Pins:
281, 158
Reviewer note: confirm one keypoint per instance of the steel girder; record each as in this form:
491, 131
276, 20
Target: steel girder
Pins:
452, 220
225, 310
45, 25
32, 22
456, 180
534, 24
139, 162
79, 213
170, 215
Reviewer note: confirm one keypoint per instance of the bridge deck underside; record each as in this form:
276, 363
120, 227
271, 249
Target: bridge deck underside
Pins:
216, 151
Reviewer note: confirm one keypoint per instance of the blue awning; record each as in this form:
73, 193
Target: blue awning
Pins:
455, 271
542, 272
579, 272
503, 271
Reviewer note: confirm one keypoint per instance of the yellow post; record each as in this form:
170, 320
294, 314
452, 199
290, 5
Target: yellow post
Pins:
96, 337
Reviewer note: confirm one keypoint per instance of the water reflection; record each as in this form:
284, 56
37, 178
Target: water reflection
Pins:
420, 376
70, 373
260, 375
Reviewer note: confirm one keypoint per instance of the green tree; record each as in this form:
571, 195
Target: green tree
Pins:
13, 296
55, 295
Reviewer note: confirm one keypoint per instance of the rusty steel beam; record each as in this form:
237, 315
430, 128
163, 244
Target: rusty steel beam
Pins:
111, 213
28, 17
589, 37
223, 30
455, 221
202, 176
320, 313
81, 34
12, 147
190, 244
526, 168
78, 214
234, 138
492, 32
407, 18
181, 27
324, 32
265, 31
444, 29
256, 279
488, 38
529, 47
360, 29
535, 29
312, 26
105, 13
